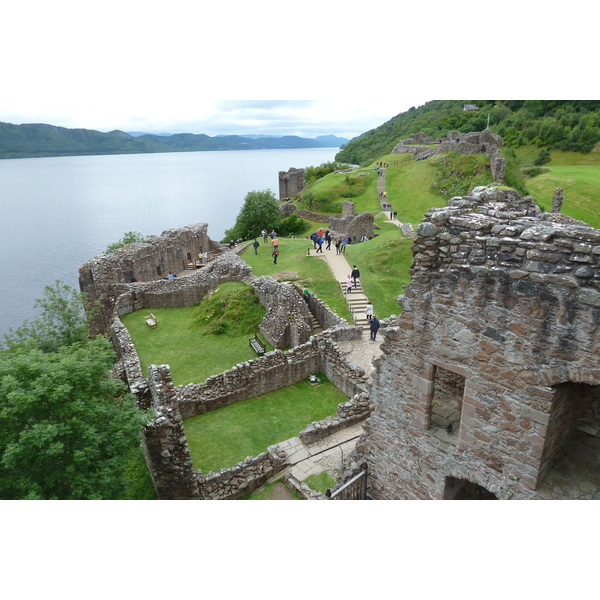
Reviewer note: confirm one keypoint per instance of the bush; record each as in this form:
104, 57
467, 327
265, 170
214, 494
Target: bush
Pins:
542, 158
292, 225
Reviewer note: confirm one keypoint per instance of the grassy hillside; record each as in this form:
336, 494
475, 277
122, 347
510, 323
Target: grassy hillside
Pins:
569, 125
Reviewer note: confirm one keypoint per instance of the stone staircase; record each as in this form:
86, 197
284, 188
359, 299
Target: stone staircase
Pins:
357, 301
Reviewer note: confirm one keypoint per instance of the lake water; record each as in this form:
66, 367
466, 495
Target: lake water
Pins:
57, 213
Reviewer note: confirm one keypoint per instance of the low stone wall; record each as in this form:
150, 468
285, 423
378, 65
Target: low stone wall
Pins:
255, 377
348, 413
245, 477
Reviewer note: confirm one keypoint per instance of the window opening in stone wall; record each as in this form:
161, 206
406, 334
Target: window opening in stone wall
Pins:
463, 489
570, 464
446, 404
159, 271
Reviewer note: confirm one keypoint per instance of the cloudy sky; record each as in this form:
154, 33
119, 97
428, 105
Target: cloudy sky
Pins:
219, 68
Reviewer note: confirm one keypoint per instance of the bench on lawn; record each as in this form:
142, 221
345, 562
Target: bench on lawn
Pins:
257, 344
151, 320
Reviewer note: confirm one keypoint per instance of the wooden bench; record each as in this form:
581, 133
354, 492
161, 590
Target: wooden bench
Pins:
151, 320
257, 344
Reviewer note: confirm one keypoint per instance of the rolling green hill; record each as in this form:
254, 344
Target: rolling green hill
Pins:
38, 139
570, 125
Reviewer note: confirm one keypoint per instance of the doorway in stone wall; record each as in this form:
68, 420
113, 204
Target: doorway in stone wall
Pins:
446, 404
463, 489
570, 465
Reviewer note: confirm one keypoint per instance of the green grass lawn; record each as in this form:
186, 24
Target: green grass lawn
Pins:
294, 265
181, 343
384, 264
226, 436
408, 185
581, 191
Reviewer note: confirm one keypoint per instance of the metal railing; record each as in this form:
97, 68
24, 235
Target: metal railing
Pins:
355, 489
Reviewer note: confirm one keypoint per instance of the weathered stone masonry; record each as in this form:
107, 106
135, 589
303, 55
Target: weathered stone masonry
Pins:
502, 315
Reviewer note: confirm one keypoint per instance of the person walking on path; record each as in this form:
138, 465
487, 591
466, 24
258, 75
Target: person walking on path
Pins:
256, 245
369, 311
344, 242
374, 327
355, 274
348, 285
328, 240
337, 247
320, 244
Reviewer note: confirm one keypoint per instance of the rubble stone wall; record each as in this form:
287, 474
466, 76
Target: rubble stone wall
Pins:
484, 142
107, 276
291, 183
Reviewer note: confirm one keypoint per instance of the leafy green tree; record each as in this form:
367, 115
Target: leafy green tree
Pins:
66, 427
260, 210
62, 321
131, 237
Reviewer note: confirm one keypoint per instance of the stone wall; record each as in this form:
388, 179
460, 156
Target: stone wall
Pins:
165, 443
510, 304
291, 183
480, 142
348, 413
107, 276
271, 372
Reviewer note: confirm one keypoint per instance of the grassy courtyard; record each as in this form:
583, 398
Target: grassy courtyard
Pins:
226, 436
188, 343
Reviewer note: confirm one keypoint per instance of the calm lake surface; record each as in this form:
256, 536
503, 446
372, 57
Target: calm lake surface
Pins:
57, 213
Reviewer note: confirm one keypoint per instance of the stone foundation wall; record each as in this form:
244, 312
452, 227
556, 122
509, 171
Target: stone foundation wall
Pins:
244, 478
348, 413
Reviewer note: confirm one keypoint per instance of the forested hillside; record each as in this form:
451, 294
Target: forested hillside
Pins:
572, 125
33, 140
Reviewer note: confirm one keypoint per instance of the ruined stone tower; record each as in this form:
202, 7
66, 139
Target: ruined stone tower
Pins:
489, 385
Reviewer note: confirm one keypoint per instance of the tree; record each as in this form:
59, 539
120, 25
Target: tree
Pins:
260, 210
62, 321
131, 237
66, 426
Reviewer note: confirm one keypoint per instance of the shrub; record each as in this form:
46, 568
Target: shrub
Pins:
542, 158
130, 237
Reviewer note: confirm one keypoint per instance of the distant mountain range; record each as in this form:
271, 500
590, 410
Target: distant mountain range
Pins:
39, 139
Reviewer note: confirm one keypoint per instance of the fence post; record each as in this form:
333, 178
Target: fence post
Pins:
363, 483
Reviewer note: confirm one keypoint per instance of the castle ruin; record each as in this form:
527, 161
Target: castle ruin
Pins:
489, 384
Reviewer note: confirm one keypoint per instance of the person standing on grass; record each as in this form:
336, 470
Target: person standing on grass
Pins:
355, 274
275, 243
265, 235
348, 285
275, 255
374, 328
256, 245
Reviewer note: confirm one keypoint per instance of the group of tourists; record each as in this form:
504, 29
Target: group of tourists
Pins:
274, 243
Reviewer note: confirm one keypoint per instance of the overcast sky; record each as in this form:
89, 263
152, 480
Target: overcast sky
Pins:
186, 66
